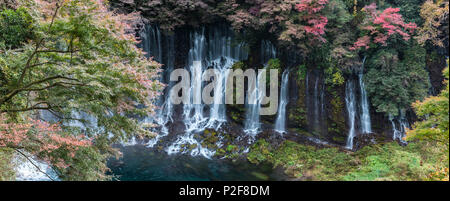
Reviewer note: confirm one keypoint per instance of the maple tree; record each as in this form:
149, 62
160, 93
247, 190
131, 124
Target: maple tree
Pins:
316, 23
82, 57
435, 27
379, 26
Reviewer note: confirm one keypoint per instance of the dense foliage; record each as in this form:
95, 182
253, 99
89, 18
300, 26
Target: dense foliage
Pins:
433, 112
394, 82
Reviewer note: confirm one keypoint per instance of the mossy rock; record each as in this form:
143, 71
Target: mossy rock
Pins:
239, 65
220, 152
192, 146
339, 139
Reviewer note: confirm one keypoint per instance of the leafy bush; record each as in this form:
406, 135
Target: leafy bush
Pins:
16, 26
395, 79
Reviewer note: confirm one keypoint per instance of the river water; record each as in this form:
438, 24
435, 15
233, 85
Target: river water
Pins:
140, 163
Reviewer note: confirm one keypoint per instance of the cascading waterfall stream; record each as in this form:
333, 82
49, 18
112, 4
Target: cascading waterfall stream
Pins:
252, 122
217, 52
315, 102
218, 109
268, 51
162, 49
400, 130
355, 110
32, 169
350, 101
193, 112
280, 123
366, 126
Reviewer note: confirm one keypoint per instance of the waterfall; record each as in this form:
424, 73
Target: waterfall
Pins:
280, 123
218, 111
365, 112
355, 110
218, 53
151, 42
268, 51
252, 122
26, 170
209, 48
350, 101
399, 131
315, 103
162, 49
193, 111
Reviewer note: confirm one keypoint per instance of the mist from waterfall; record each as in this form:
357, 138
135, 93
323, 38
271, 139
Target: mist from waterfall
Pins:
30, 168
280, 123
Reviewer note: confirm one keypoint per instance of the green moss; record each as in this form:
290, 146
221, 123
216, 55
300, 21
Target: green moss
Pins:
209, 139
192, 146
297, 113
260, 152
301, 72
274, 64
337, 124
239, 65
260, 176
229, 151
220, 153
231, 148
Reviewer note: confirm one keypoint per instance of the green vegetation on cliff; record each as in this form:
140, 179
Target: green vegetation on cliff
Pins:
383, 162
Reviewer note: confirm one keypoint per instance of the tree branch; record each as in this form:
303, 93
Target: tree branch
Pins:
36, 50
16, 91
34, 107
31, 161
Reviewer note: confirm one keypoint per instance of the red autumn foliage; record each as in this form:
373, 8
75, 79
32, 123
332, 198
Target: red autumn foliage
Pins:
41, 138
316, 23
311, 6
382, 25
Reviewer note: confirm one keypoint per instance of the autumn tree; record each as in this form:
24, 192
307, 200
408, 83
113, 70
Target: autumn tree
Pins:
433, 112
433, 124
81, 58
378, 26
435, 26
